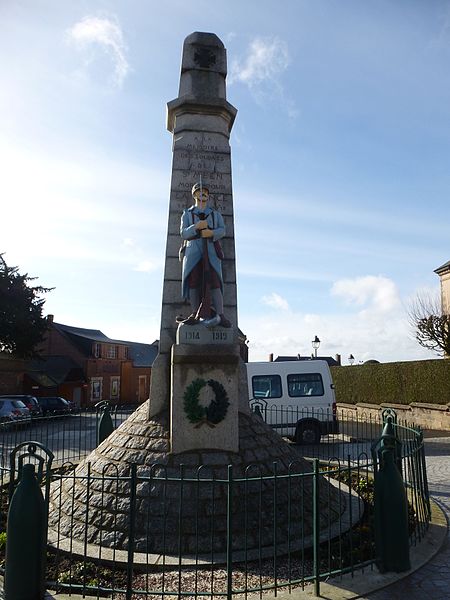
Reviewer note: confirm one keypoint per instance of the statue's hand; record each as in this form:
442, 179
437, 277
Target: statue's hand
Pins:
207, 233
201, 225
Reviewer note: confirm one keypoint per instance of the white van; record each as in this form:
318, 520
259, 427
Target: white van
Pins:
295, 397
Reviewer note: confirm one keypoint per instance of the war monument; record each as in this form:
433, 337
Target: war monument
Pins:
196, 430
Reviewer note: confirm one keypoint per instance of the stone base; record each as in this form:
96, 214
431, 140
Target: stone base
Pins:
209, 363
191, 517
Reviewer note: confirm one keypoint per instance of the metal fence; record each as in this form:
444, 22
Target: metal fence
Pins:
70, 437
73, 437
293, 529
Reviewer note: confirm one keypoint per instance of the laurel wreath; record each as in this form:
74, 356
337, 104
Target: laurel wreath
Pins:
205, 415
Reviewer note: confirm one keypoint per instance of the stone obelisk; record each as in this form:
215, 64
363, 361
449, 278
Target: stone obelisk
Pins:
161, 438
200, 120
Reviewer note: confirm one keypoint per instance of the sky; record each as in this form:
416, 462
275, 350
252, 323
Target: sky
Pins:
340, 158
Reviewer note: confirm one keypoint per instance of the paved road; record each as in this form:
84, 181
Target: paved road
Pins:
69, 438
433, 580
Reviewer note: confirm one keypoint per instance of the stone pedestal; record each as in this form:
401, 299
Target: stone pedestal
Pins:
190, 365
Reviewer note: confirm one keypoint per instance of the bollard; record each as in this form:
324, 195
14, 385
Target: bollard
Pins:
105, 424
257, 411
390, 441
26, 540
391, 517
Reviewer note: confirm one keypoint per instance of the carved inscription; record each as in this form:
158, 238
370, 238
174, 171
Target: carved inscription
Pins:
211, 176
217, 182
213, 187
202, 162
203, 147
221, 336
191, 335
198, 335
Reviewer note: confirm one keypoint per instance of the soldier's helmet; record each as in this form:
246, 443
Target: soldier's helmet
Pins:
198, 186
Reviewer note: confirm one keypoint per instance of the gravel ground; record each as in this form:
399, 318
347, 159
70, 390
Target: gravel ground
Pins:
205, 580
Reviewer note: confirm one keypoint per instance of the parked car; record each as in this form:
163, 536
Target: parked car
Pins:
30, 402
13, 411
54, 405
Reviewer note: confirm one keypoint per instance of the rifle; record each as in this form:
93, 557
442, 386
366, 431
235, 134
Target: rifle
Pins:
204, 310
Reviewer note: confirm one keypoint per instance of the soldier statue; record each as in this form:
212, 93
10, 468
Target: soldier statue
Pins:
201, 253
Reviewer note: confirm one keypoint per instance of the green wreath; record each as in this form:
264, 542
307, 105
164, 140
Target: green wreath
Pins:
212, 414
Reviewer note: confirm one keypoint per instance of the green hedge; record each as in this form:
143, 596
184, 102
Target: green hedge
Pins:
399, 382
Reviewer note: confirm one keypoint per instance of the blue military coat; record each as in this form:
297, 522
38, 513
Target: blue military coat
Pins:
194, 245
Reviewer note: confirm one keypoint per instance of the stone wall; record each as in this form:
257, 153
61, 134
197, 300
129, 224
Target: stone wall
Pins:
425, 415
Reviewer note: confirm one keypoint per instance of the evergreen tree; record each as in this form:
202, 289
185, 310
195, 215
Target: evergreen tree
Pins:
22, 325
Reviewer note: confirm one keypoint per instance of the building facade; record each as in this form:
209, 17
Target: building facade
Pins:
444, 276
85, 366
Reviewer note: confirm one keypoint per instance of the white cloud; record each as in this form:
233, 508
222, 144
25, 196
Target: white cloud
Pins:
274, 300
145, 266
93, 33
375, 326
266, 59
377, 293
385, 337
261, 69
87, 207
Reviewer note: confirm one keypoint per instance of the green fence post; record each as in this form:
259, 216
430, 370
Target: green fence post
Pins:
230, 533
105, 425
26, 540
390, 508
316, 528
423, 470
131, 530
389, 437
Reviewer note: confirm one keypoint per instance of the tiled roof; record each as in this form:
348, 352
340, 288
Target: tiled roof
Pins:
94, 335
442, 269
142, 355
54, 370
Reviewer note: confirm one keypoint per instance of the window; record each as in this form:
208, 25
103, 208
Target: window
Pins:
142, 392
96, 388
115, 387
97, 350
112, 352
266, 386
306, 384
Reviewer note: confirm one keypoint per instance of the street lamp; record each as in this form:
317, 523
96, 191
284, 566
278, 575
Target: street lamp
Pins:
315, 344
351, 359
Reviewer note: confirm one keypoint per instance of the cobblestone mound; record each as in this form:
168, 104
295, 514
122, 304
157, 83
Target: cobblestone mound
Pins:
177, 504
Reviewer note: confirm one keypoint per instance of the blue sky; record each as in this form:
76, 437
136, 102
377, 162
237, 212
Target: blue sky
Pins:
340, 155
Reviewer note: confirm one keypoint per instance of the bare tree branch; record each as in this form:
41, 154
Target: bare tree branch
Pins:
430, 324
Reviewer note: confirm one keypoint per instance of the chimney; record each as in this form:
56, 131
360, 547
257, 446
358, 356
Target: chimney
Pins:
338, 359
271, 357
50, 319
